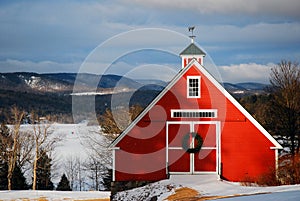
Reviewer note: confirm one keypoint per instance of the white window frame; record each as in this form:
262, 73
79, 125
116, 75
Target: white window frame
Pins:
188, 86
214, 111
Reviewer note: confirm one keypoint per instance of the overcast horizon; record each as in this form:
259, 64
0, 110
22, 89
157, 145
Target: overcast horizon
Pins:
244, 39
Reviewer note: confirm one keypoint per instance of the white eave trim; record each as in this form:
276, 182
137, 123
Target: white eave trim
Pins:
237, 104
157, 98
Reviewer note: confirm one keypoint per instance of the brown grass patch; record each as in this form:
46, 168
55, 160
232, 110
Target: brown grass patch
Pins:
183, 194
188, 194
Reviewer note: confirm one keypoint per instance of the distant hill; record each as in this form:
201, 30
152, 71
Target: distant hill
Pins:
61, 82
52, 93
245, 89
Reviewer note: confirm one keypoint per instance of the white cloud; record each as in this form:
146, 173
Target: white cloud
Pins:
11, 65
250, 72
230, 7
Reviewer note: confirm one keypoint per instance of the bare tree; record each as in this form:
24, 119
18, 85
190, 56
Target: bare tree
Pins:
95, 169
43, 140
284, 110
14, 146
73, 170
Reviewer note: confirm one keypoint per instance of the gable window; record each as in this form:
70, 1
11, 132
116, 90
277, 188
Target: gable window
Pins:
204, 113
193, 86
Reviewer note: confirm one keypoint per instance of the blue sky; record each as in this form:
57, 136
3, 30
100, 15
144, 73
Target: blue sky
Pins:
243, 38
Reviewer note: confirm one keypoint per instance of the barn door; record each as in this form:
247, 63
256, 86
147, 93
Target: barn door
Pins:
192, 147
206, 159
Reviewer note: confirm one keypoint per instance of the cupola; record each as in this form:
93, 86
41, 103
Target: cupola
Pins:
192, 52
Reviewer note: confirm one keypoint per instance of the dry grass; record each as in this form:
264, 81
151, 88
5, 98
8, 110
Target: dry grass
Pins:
183, 194
188, 194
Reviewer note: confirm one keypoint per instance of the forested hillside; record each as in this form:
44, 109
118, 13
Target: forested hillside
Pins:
51, 94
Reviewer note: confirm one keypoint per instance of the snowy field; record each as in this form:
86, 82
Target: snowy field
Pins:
73, 137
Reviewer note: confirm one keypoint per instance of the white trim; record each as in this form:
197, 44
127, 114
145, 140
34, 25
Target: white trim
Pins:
146, 110
235, 103
219, 161
167, 145
192, 57
188, 86
192, 156
176, 148
114, 165
276, 159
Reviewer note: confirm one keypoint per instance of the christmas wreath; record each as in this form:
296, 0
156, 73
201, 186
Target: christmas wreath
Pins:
186, 142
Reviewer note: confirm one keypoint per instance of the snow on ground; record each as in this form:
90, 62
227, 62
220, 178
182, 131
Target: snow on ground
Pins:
73, 143
209, 185
73, 137
52, 195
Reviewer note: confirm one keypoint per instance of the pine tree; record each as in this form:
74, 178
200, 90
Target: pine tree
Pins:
5, 139
43, 173
107, 179
64, 184
18, 179
3, 175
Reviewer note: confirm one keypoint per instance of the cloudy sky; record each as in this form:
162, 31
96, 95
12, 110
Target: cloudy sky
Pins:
243, 38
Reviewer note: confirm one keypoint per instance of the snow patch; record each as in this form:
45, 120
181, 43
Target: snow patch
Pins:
52, 195
209, 185
33, 82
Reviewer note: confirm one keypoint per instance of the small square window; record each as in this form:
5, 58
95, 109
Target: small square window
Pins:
193, 86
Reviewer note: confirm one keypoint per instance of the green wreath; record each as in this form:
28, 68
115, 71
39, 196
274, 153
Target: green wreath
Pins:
185, 142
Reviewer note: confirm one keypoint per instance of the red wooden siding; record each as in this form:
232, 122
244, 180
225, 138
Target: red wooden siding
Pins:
244, 151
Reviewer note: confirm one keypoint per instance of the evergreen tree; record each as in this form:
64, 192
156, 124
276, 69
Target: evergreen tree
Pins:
64, 184
107, 179
3, 175
5, 139
18, 179
43, 173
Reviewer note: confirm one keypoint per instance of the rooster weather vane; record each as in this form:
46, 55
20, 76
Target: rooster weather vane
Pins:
191, 29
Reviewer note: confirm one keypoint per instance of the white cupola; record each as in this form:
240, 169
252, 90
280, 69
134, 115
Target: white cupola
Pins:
190, 53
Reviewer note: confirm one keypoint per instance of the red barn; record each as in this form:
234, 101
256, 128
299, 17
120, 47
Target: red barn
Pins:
194, 126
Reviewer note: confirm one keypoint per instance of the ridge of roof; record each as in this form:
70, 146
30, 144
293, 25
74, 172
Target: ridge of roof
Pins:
192, 49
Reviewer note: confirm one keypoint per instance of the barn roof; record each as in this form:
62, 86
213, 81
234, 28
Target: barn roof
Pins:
192, 49
156, 99
219, 87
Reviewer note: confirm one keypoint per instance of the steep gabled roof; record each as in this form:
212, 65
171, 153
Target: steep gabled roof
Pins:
192, 49
146, 110
217, 85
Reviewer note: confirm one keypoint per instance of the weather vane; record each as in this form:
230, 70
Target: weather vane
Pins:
191, 29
